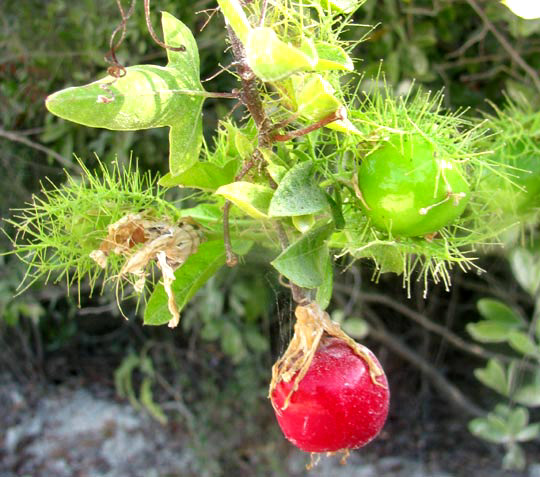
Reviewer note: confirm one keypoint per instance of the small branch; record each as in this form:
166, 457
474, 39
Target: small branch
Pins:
232, 95
447, 389
222, 69
423, 321
476, 38
35, 145
506, 44
209, 16
335, 116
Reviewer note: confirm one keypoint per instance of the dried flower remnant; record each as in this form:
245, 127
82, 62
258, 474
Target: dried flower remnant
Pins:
168, 245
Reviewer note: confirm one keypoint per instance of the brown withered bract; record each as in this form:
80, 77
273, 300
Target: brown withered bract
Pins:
143, 240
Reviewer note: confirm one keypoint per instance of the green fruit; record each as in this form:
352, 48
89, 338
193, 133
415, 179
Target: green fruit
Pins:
410, 191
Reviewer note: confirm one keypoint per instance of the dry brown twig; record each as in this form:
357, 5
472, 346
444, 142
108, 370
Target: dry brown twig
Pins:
15, 137
144, 240
514, 54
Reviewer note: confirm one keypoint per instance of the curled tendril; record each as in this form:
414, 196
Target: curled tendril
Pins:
115, 69
153, 33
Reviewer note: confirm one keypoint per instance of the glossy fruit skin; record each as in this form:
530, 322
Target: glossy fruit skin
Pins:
401, 182
337, 406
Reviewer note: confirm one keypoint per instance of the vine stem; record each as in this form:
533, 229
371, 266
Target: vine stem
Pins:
230, 257
249, 93
250, 97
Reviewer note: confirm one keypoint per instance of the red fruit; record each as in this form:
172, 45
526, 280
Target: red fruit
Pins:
338, 405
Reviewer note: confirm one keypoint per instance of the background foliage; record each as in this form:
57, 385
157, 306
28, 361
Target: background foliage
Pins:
239, 323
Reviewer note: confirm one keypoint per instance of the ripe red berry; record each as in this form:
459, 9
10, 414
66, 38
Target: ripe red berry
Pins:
338, 405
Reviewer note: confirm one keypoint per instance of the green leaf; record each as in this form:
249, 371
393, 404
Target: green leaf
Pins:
175, 33
514, 458
304, 262
342, 6
146, 397
526, 269
495, 310
418, 59
528, 391
232, 342
517, 420
491, 429
203, 175
244, 145
315, 100
211, 330
272, 59
489, 331
123, 379
147, 96
325, 291
315, 97
197, 269
528, 433
205, 214
526, 9
356, 327
253, 199
332, 57
303, 223
493, 376
335, 208
298, 193
255, 340
528, 395
523, 343
185, 140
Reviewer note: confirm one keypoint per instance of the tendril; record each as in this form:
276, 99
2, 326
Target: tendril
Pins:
153, 33
115, 69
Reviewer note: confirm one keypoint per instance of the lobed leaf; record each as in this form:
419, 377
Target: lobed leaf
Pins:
146, 96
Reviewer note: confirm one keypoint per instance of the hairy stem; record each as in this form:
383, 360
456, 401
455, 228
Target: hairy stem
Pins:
335, 116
